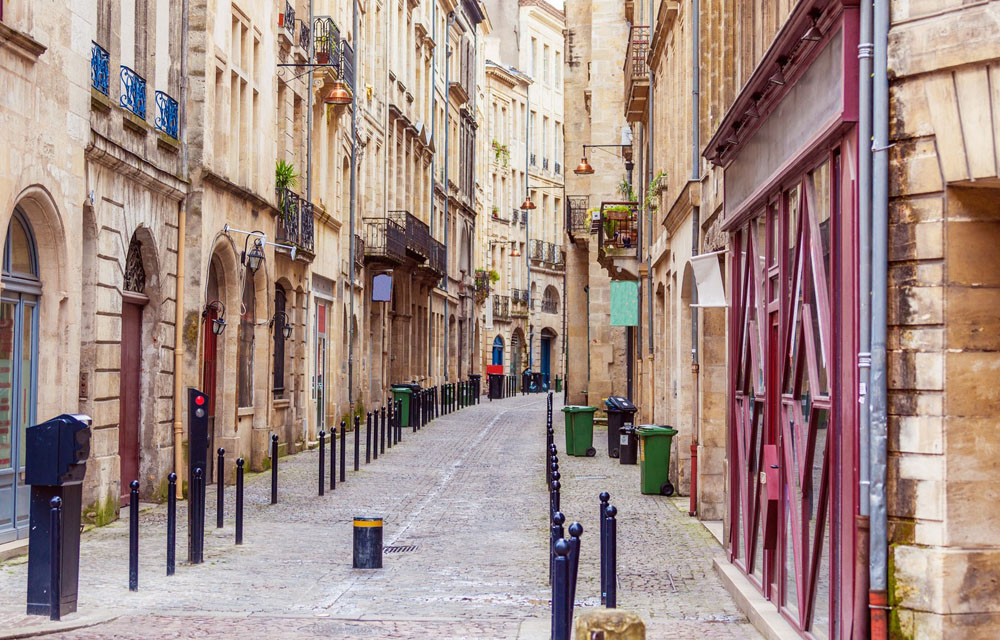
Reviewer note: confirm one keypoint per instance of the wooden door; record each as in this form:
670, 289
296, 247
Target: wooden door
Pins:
129, 398
209, 373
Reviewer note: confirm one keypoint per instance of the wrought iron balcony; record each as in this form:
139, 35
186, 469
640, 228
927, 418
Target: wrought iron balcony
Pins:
536, 250
553, 253
326, 40
305, 36
100, 74
418, 234
482, 282
501, 308
290, 20
617, 237
439, 257
549, 306
636, 73
133, 95
346, 62
359, 252
295, 220
577, 220
524, 218
385, 240
166, 114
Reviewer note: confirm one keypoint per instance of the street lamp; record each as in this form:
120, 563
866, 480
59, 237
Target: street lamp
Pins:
251, 259
218, 322
339, 95
527, 205
586, 169
286, 327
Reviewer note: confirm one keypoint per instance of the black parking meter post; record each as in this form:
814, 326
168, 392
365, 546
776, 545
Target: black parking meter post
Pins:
171, 522
322, 461
274, 468
343, 451
239, 501
220, 488
368, 438
575, 531
611, 524
133, 536
357, 442
55, 551
602, 519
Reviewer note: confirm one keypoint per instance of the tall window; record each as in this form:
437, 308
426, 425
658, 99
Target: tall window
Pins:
18, 370
557, 71
246, 344
545, 64
534, 57
279, 340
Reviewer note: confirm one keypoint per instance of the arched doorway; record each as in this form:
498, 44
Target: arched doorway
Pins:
545, 357
498, 350
19, 300
134, 299
516, 347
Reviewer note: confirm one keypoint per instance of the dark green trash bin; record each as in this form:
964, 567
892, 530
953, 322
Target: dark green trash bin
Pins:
402, 395
654, 459
580, 430
558, 384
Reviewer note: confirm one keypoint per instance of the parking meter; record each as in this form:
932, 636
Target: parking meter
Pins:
56, 454
197, 458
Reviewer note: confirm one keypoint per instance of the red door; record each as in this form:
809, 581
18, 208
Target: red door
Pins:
128, 405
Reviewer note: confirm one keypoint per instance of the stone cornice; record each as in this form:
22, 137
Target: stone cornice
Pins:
213, 178
21, 43
107, 153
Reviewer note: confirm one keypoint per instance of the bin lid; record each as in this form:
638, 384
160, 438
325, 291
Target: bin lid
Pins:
618, 403
407, 385
627, 429
477, 376
578, 409
398, 389
655, 430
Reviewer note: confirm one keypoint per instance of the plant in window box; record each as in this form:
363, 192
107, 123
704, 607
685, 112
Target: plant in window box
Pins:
494, 276
285, 176
496, 211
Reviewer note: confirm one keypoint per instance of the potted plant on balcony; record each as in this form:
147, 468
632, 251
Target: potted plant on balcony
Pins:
494, 276
285, 176
496, 211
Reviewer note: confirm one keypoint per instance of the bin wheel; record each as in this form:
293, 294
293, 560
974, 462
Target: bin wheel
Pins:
612, 454
666, 489
591, 452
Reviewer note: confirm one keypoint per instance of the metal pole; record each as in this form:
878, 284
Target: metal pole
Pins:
239, 501
343, 451
354, 186
357, 442
447, 117
322, 461
55, 551
220, 488
274, 468
133, 537
171, 523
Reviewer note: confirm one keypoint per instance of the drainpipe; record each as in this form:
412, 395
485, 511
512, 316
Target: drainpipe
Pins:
648, 132
864, 313
447, 115
354, 190
878, 550
430, 292
527, 212
586, 289
695, 245
179, 296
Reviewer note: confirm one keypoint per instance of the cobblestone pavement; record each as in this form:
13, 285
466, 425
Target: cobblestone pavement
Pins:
467, 492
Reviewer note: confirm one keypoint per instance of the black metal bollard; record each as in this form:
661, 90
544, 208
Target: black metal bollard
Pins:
343, 451
575, 531
610, 533
333, 458
220, 488
368, 438
357, 442
274, 468
415, 412
561, 611
367, 543
602, 519
382, 435
555, 533
554, 496
171, 522
133, 536
399, 420
239, 501
322, 461
389, 423
198, 521
55, 551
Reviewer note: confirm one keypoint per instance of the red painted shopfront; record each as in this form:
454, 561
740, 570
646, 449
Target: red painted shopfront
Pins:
789, 149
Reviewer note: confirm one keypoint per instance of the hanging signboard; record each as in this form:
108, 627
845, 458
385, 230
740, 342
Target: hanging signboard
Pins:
382, 287
624, 303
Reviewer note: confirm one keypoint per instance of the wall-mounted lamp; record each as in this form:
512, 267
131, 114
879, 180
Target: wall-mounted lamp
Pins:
286, 328
527, 205
251, 259
219, 321
585, 168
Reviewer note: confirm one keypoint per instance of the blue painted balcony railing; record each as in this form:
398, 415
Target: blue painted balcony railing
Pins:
99, 72
133, 95
166, 114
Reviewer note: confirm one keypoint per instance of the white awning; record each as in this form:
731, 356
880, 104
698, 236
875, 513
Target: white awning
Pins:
708, 276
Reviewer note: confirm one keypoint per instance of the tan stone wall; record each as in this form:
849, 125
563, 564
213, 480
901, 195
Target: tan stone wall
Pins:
943, 354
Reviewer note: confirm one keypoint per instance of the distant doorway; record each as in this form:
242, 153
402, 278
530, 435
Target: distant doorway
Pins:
498, 350
130, 388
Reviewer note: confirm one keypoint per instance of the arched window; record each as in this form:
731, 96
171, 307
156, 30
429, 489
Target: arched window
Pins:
19, 300
550, 300
498, 350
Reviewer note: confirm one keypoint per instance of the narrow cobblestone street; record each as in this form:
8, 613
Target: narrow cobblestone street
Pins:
466, 493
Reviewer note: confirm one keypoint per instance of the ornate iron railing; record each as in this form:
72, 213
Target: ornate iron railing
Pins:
133, 95
290, 19
100, 74
636, 67
359, 252
501, 307
524, 218
166, 114
384, 239
549, 306
305, 37
326, 39
418, 234
439, 257
619, 230
536, 250
482, 281
295, 220
346, 62
553, 253
577, 220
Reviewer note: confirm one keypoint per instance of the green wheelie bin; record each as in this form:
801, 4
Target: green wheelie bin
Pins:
402, 394
580, 430
558, 384
654, 459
